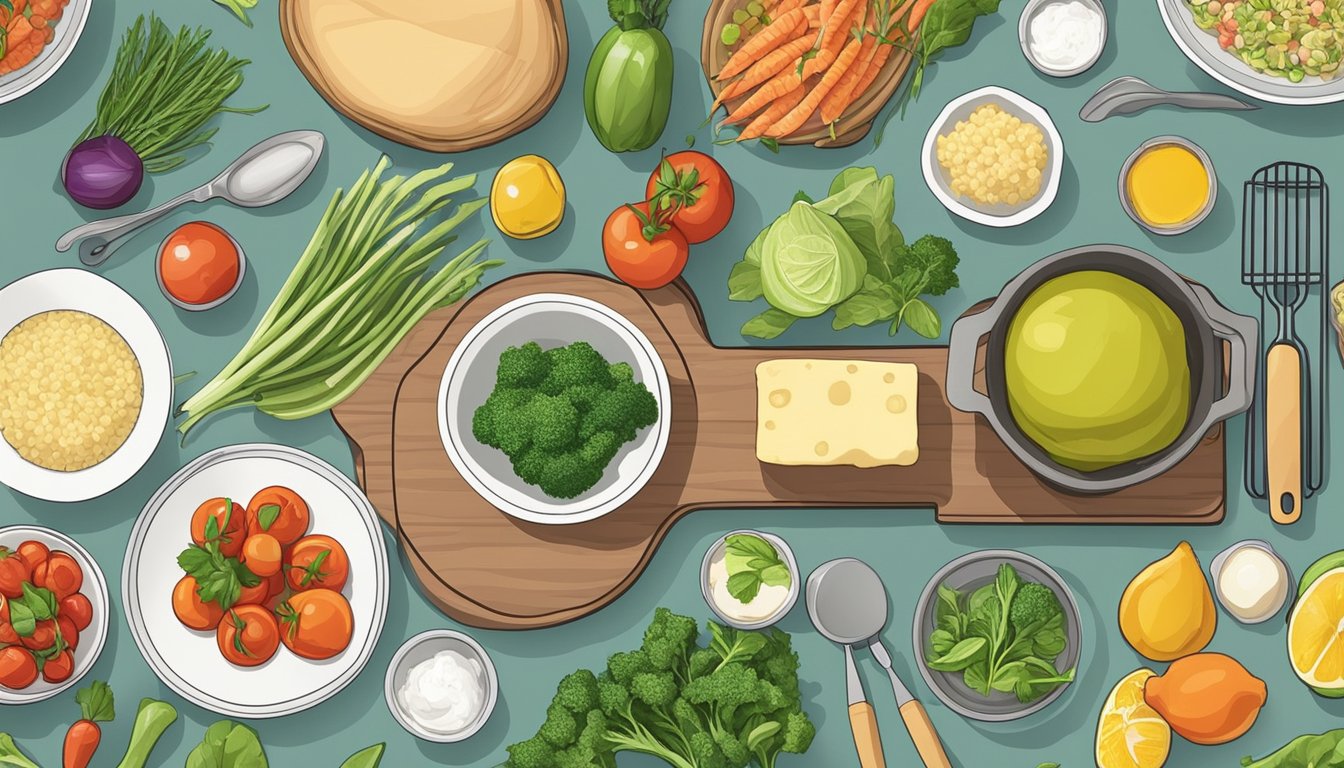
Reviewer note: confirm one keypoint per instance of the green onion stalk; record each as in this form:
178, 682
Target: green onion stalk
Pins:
360, 286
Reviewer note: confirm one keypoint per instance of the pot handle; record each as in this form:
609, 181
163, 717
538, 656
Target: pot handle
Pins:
1242, 333
962, 345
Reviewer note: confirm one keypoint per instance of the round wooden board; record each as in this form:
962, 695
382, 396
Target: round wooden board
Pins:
388, 126
853, 124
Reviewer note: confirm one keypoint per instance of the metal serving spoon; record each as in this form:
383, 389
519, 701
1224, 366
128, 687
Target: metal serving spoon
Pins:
261, 176
1128, 95
848, 605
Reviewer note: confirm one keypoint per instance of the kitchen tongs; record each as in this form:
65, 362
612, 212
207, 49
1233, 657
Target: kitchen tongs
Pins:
1285, 242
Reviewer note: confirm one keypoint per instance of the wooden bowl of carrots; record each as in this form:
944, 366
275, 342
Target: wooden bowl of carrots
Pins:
807, 71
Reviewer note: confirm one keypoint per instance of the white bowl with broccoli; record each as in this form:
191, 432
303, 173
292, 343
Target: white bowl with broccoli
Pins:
555, 409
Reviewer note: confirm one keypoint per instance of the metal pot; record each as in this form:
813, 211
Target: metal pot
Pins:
1208, 325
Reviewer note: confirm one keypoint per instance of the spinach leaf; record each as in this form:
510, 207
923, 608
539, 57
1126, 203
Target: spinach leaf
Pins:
961, 655
1323, 750
768, 324
751, 562
228, 745
366, 758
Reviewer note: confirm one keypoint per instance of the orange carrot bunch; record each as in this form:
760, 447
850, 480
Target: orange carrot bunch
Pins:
815, 56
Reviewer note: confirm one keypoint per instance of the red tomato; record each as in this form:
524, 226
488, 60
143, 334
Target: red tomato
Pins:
640, 252
248, 636
14, 570
60, 574
280, 512
316, 624
79, 610
317, 562
43, 637
191, 610
59, 667
34, 554
69, 632
18, 668
261, 554
8, 636
699, 191
269, 587
199, 263
231, 520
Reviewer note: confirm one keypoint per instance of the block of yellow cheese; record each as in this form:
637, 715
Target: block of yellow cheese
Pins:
831, 412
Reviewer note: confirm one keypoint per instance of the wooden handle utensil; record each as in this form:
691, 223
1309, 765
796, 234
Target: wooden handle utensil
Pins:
927, 743
867, 740
1283, 432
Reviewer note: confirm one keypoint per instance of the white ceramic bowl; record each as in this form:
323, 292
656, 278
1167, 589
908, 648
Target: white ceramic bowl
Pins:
76, 289
68, 30
551, 320
785, 552
1001, 215
189, 662
423, 647
1034, 7
92, 639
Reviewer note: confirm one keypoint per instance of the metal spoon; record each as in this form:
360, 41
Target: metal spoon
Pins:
261, 176
848, 605
1128, 95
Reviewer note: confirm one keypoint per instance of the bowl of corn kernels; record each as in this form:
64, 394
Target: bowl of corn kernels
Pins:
994, 157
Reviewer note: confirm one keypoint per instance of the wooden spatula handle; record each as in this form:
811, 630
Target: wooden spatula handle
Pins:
927, 743
867, 740
1283, 432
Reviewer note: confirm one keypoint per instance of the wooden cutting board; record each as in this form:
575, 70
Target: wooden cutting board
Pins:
486, 569
438, 75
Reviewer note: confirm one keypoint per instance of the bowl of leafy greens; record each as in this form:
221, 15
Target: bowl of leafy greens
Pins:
997, 635
555, 409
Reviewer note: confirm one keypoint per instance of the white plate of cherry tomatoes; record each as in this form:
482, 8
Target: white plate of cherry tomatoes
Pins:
53, 613
256, 581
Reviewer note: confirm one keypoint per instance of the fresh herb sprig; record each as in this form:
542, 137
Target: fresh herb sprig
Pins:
239, 8
752, 563
163, 89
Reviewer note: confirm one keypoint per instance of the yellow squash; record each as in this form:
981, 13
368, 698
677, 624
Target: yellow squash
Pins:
1167, 611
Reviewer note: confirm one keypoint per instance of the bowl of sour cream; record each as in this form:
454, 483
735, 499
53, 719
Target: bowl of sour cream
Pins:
763, 559
1062, 38
441, 686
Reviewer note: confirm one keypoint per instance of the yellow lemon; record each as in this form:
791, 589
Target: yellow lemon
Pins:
1130, 734
527, 199
1316, 634
1167, 611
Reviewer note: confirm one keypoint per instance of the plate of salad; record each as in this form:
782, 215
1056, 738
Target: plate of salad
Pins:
997, 635
36, 38
1236, 45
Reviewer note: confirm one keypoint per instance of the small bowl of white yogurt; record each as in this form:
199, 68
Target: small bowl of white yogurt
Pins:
752, 564
1063, 38
1251, 580
441, 686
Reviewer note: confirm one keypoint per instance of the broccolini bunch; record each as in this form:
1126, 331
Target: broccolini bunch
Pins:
733, 704
562, 414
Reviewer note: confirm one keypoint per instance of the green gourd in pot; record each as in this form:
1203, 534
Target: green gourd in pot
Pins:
627, 92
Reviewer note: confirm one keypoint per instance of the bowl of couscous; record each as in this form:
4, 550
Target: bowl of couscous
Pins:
994, 157
85, 385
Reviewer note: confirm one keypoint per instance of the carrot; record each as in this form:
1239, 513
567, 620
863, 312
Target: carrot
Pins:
763, 70
778, 86
81, 741
874, 69
917, 12
780, 31
799, 114
844, 93
847, 15
756, 128
787, 5
813, 15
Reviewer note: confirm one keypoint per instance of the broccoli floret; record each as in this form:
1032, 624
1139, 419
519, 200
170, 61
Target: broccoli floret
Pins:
622, 372
726, 689
936, 259
501, 403
705, 751
567, 475
703, 661
656, 689
560, 728
624, 666
523, 367
613, 698
734, 751
577, 692
533, 753
628, 408
1033, 603
553, 422
798, 733
669, 640
575, 364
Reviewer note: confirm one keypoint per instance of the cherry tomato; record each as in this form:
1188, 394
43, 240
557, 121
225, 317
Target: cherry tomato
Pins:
199, 263
269, 587
69, 632
280, 512
79, 610
59, 667
317, 562
700, 191
261, 554
316, 624
191, 610
43, 637
641, 253
18, 668
231, 520
248, 635
7, 634
60, 574
14, 570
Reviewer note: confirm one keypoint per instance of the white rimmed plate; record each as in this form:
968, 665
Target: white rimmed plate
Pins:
39, 70
551, 320
189, 662
92, 639
1019, 106
76, 289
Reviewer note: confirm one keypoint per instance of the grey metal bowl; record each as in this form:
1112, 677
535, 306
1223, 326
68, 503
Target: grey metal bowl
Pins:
242, 273
785, 552
967, 574
1024, 38
1204, 160
421, 648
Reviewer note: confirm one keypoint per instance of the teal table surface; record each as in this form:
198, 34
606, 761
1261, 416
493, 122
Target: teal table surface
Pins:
905, 546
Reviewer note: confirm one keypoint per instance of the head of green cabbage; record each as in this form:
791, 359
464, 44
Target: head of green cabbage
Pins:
809, 263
